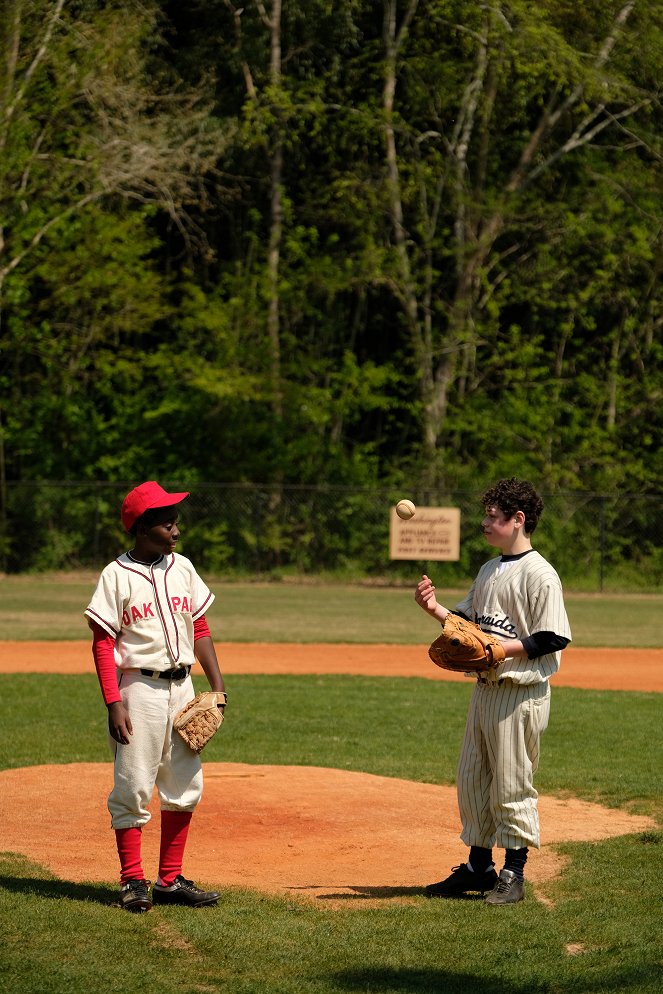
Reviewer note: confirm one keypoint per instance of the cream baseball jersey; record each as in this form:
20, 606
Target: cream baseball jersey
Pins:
150, 610
514, 599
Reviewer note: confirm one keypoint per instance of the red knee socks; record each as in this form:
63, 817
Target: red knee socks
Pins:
128, 849
174, 832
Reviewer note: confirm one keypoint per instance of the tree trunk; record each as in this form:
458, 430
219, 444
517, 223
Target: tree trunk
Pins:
276, 222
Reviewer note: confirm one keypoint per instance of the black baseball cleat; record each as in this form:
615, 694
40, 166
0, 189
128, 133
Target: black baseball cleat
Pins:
461, 881
508, 889
185, 892
134, 896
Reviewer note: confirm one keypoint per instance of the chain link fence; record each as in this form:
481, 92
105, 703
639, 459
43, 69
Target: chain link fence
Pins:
596, 542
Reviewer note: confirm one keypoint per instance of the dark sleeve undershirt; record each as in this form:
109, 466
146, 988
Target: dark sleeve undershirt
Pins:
541, 643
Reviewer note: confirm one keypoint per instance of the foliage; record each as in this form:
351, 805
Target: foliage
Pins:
94, 138
381, 245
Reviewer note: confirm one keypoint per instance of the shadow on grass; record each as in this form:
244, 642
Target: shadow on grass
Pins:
409, 980
372, 893
59, 889
366, 893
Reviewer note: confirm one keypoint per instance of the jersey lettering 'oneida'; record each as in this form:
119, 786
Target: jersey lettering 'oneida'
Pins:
497, 626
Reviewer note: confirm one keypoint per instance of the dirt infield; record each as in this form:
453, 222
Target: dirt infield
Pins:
338, 837
589, 669
332, 835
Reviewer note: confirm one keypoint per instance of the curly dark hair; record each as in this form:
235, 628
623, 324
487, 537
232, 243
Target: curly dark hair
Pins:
514, 495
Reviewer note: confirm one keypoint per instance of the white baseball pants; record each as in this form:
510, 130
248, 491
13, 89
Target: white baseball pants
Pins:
155, 754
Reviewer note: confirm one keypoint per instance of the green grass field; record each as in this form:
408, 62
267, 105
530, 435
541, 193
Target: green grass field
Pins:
51, 607
600, 933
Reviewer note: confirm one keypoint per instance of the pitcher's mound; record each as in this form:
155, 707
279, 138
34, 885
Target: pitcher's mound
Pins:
330, 834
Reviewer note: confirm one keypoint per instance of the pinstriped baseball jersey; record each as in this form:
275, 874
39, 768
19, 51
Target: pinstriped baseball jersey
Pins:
150, 610
516, 598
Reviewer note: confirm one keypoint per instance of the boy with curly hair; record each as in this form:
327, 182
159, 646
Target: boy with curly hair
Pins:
518, 598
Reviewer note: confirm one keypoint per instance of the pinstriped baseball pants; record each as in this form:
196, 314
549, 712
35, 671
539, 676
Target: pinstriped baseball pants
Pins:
500, 755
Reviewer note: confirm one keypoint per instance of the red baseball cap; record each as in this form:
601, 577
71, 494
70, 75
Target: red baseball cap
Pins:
145, 498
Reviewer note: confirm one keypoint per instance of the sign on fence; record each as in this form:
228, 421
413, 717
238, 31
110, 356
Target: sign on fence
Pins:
432, 534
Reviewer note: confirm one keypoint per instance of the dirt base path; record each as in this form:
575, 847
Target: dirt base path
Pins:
335, 836
590, 669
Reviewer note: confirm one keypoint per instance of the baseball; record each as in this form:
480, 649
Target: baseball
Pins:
405, 509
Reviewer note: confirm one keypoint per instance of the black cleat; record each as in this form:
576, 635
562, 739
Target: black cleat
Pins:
462, 880
134, 896
508, 889
185, 892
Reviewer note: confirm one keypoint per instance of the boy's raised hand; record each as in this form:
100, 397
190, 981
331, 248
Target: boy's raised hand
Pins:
425, 597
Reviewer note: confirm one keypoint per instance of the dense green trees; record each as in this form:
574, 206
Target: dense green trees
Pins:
351, 243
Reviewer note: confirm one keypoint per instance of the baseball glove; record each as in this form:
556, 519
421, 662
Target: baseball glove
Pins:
200, 719
463, 647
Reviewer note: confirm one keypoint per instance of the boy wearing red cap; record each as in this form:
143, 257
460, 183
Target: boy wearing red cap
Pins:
147, 617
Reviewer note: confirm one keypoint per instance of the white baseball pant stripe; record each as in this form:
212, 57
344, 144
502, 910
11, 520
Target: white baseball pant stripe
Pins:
155, 755
499, 757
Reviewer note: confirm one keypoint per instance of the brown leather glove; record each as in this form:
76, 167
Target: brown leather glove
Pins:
464, 648
200, 719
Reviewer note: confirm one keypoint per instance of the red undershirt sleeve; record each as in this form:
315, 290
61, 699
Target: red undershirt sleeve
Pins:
201, 629
103, 651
